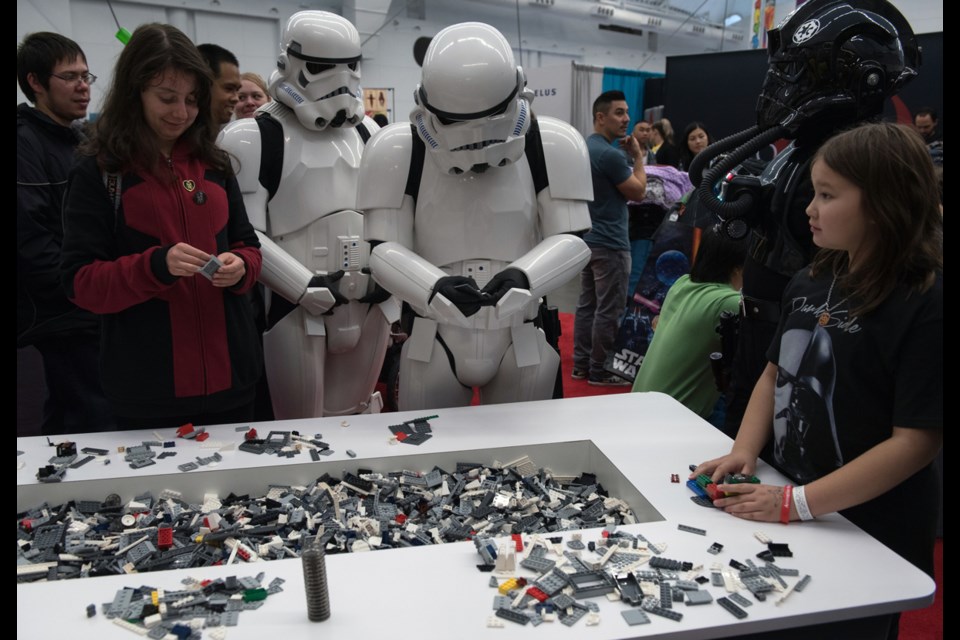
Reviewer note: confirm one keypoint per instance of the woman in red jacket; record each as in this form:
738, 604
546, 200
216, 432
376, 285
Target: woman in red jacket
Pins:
157, 241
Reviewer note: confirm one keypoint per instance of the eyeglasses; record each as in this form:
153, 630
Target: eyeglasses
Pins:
73, 77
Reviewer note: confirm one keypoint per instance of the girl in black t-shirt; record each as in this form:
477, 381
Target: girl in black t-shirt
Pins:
853, 392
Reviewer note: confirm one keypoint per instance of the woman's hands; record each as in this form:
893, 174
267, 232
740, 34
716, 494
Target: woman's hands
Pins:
184, 261
231, 272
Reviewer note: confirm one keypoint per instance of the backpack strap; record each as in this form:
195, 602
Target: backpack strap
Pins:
364, 132
417, 155
533, 149
271, 152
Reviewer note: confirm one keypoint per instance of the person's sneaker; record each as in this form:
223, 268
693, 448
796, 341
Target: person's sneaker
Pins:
578, 374
608, 380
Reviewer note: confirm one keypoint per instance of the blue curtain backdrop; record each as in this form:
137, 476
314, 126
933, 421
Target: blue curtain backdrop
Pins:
631, 83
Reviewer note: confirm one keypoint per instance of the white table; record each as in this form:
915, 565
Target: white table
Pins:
436, 592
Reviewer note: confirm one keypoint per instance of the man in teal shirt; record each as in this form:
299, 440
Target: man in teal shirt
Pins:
603, 282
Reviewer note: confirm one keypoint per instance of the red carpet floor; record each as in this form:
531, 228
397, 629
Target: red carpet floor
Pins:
576, 388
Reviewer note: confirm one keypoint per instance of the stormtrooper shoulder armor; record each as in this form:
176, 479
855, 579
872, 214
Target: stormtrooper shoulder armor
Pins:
385, 168
567, 160
241, 140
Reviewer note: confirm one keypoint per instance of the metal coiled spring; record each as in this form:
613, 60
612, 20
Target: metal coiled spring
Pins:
315, 583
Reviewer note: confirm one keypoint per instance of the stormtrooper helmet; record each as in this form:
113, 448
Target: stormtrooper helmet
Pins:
318, 71
472, 105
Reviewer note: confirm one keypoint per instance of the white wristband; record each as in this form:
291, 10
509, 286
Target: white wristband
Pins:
800, 501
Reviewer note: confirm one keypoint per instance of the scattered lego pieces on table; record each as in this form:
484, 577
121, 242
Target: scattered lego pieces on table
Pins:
183, 613
415, 431
619, 566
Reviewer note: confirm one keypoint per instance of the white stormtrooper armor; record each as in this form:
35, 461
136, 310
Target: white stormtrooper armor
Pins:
484, 233
324, 356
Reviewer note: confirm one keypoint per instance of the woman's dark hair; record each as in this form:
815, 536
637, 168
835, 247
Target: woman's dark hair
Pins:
122, 138
718, 256
892, 168
686, 156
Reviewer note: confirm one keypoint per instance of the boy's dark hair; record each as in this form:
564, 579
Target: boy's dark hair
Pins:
605, 99
215, 55
38, 54
927, 111
718, 256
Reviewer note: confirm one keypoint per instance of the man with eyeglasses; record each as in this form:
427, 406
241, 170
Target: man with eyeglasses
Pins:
52, 73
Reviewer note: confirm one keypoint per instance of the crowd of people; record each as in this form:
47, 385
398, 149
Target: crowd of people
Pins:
137, 266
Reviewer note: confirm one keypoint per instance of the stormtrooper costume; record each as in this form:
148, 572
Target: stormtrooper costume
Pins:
471, 213
297, 163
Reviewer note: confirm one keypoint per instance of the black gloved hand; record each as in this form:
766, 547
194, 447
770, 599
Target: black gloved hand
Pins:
502, 282
330, 281
378, 295
462, 291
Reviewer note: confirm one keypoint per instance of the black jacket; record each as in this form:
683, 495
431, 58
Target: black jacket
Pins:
45, 153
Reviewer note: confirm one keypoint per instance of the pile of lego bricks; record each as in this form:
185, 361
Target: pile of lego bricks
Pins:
625, 567
356, 512
184, 613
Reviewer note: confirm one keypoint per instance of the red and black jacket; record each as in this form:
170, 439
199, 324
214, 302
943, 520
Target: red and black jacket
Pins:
170, 346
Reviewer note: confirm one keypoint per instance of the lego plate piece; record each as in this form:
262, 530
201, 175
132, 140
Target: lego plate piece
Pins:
698, 597
732, 608
635, 616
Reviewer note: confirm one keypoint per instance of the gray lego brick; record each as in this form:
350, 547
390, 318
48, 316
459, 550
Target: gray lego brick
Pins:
539, 565
736, 611
634, 617
739, 599
561, 600
698, 597
570, 619
689, 529
666, 613
666, 595
81, 462
512, 615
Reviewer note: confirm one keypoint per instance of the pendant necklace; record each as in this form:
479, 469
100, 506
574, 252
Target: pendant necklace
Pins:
824, 316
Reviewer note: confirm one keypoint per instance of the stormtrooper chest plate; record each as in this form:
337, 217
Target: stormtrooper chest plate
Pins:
488, 216
319, 177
